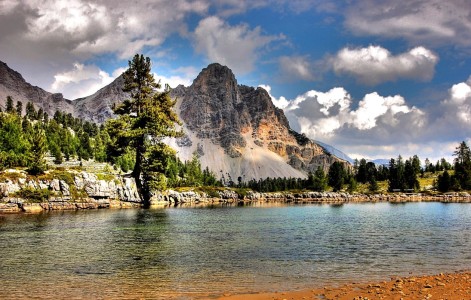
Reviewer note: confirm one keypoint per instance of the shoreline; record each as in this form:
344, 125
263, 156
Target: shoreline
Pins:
440, 286
67, 190
172, 198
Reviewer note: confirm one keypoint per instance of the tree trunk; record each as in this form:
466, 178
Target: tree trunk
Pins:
142, 188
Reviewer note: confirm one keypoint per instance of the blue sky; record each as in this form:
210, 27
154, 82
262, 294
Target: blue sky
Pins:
373, 78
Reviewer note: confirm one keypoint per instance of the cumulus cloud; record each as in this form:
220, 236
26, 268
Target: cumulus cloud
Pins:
237, 46
296, 67
378, 126
45, 37
457, 107
333, 117
434, 22
374, 64
183, 75
82, 80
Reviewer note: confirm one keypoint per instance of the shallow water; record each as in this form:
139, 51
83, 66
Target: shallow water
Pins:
187, 253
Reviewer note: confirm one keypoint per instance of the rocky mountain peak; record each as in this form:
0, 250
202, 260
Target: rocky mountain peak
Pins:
244, 122
217, 80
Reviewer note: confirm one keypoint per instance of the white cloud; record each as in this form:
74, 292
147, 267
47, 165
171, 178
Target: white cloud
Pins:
331, 117
237, 46
6, 6
42, 38
373, 106
296, 67
433, 22
82, 80
184, 76
374, 64
457, 107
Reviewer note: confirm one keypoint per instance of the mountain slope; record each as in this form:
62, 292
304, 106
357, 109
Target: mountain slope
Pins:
13, 84
97, 107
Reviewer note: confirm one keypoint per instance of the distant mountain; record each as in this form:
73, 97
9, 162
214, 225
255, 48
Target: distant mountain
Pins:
335, 151
97, 107
381, 161
234, 129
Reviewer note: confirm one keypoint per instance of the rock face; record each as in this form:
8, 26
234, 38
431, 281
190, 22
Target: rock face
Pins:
244, 128
97, 107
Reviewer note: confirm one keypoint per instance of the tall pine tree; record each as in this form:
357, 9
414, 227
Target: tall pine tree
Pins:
145, 119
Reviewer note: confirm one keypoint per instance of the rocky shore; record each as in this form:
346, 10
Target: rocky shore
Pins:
82, 190
441, 286
230, 196
79, 190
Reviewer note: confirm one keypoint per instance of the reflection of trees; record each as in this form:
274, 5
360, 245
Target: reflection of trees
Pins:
138, 240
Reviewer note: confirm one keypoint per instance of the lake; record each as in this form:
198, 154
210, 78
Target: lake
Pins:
203, 252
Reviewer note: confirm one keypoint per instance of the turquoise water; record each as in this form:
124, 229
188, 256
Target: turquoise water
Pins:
187, 253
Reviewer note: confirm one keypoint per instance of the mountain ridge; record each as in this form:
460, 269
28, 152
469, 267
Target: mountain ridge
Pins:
235, 130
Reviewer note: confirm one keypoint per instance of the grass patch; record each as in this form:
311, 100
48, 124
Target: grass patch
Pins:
13, 176
105, 177
66, 176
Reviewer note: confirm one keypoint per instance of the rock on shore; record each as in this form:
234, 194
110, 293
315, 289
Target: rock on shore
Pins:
86, 191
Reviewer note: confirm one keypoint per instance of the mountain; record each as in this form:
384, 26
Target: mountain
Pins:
235, 130
13, 84
381, 161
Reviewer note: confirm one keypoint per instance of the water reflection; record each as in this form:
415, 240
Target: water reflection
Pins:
174, 252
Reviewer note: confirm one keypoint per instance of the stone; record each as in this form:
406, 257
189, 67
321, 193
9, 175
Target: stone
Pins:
64, 187
55, 185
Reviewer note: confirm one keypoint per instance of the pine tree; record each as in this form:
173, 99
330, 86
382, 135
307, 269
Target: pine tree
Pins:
19, 108
336, 176
444, 182
9, 107
144, 120
37, 163
30, 111
319, 180
463, 165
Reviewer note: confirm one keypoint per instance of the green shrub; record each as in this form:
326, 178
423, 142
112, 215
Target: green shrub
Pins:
13, 176
34, 195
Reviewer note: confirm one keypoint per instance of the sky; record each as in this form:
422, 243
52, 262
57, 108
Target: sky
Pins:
375, 79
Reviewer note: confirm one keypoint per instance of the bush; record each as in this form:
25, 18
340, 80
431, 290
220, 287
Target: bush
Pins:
34, 195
